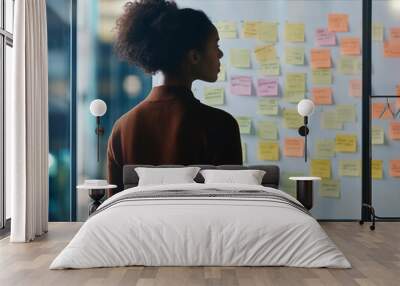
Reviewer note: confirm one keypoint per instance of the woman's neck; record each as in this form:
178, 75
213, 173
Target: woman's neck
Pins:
177, 80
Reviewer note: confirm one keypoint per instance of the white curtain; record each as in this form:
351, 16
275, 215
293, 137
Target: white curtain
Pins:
27, 123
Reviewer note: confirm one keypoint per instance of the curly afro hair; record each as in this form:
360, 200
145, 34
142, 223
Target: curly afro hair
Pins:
156, 35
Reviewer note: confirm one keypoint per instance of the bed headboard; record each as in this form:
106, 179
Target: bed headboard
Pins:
270, 179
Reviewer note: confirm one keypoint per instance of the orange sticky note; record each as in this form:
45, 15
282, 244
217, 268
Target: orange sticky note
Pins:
355, 88
394, 130
379, 112
322, 95
394, 168
394, 34
293, 147
350, 46
391, 49
320, 58
338, 22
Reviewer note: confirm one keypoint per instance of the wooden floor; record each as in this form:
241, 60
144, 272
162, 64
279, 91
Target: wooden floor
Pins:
375, 257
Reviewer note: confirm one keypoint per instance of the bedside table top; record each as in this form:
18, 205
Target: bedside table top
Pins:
94, 187
305, 178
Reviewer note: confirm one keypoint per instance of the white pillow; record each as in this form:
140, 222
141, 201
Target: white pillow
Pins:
248, 177
163, 176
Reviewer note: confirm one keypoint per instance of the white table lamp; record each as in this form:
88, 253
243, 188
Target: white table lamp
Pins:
305, 108
98, 108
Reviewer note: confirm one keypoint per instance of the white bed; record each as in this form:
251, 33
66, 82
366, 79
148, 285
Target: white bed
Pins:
203, 231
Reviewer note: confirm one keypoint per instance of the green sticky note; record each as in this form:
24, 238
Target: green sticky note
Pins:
330, 120
378, 135
240, 58
244, 124
346, 113
289, 186
321, 76
294, 55
222, 73
324, 148
377, 32
292, 119
349, 65
295, 82
293, 96
214, 95
329, 188
268, 106
267, 130
226, 29
271, 67
350, 168
244, 152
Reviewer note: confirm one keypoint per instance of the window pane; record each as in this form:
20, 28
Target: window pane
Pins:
7, 83
9, 15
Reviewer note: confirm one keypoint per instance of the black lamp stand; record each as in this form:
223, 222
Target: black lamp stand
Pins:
303, 131
99, 132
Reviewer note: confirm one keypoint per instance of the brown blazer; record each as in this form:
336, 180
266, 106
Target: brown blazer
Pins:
171, 126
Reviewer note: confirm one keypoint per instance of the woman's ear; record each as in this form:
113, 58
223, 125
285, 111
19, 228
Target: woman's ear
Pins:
194, 57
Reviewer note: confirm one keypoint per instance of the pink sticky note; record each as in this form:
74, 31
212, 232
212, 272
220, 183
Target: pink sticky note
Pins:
241, 85
325, 38
267, 87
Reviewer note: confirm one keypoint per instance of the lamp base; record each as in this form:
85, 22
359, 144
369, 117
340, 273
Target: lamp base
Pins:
303, 130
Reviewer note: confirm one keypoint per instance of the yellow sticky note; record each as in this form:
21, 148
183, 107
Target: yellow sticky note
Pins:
226, 29
295, 82
321, 76
214, 96
250, 29
350, 65
268, 150
330, 120
346, 143
244, 152
244, 124
294, 32
330, 188
267, 130
240, 58
377, 169
346, 113
321, 168
293, 96
324, 149
294, 55
222, 73
271, 67
265, 53
377, 32
267, 31
292, 119
378, 135
350, 168
267, 106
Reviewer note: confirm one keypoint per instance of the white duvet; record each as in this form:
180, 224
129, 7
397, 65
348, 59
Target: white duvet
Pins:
199, 231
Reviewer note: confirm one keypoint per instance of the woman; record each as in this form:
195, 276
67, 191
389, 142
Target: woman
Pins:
171, 126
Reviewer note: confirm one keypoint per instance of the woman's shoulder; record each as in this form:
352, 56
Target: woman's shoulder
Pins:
215, 114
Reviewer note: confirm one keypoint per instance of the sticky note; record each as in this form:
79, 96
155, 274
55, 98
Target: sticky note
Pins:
350, 168
346, 143
391, 49
322, 95
268, 150
249, 29
241, 85
330, 188
293, 147
338, 22
350, 65
394, 168
240, 58
244, 152
355, 88
394, 34
268, 106
244, 124
295, 82
325, 38
350, 46
377, 32
294, 32
267, 130
265, 53
377, 169
321, 76
293, 96
346, 113
214, 95
226, 29
324, 149
267, 31
222, 73
394, 130
292, 119
271, 67
267, 87
320, 58
377, 135
321, 168
294, 55
379, 111
330, 120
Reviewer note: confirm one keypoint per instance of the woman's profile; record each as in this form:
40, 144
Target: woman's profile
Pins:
171, 126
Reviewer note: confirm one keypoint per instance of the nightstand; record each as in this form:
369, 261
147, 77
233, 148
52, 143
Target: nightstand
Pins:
96, 193
304, 190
